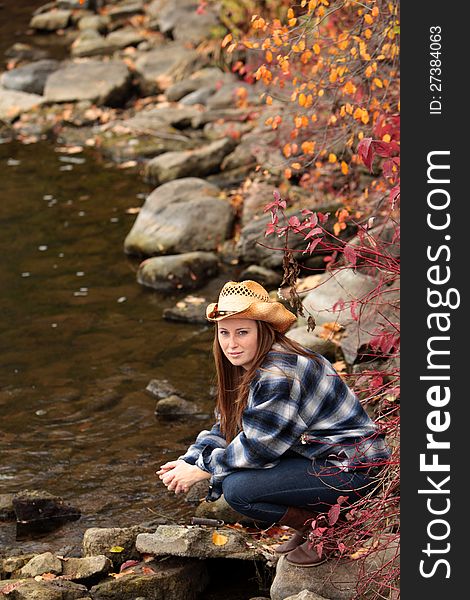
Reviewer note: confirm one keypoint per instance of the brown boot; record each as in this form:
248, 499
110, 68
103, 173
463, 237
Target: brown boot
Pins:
305, 555
297, 519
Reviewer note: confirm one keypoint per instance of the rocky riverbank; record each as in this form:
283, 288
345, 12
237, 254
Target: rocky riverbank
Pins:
145, 86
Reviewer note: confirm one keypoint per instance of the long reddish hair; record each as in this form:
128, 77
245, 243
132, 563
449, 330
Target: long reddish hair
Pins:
233, 382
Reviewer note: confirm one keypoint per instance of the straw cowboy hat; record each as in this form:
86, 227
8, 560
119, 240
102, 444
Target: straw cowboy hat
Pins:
249, 300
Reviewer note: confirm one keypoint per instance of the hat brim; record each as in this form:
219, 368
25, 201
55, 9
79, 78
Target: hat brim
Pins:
274, 313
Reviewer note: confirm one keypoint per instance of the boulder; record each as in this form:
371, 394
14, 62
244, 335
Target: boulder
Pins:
172, 578
311, 341
189, 310
160, 67
29, 78
51, 20
211, 77
266, 277
306, 595
236, 129
13, 564
194, 542
245, 154
199, 162
195, 28
230, 93
341, 578
40, 564
38, 511
180, 216
375, 303
88, 569
99, 541
56, 589
126, 9
183, 271
90, 43
126, 36
251, 246
175, 406
160, 388
7, 512
13, 103
97, 22
100, 82
26, 52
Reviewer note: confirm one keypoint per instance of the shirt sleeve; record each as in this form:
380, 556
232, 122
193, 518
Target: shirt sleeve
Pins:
207, 440
271, 425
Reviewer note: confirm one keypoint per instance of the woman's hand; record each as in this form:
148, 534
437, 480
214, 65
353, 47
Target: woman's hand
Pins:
179, 476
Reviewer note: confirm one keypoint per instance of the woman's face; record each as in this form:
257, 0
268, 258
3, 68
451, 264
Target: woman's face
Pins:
238, 339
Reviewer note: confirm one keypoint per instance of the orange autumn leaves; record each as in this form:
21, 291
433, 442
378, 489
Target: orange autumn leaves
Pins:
331, 67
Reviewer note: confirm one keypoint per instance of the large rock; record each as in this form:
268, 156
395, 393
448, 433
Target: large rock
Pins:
266, 277
209, 76
361, 303
338, 578
174, 406
254, 247
51, 20
84, 570
57, 589
97, 22
103, 541
229, 94
40, 564
126, 36
180, 216
7, 512
91, 43
180, 272
311, 341
159, 68
173, 579
147, 134
194, 542
100, 82
13, 103
38, 511
200, 162
29, 78
306, 595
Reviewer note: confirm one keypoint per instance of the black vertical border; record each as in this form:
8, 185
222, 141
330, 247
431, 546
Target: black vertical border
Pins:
421, 133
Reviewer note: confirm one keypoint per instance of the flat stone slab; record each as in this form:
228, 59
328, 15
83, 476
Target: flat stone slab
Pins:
13, 103
100, 82
196, 542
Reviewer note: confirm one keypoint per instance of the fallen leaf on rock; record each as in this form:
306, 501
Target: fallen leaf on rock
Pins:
128, 164
147, 557
360, 552
133, 210
218, 539
10, 587
118, 575
127, 564
116, 549
148, 571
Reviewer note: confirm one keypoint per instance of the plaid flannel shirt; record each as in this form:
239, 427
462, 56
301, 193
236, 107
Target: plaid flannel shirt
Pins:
294, 403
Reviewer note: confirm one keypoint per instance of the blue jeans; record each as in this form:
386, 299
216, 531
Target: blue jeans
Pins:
265, 494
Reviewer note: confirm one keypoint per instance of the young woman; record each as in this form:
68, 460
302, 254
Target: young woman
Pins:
290, 436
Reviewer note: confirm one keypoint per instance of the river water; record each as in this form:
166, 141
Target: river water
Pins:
80, 340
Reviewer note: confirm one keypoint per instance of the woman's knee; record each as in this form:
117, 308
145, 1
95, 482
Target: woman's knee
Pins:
233, 489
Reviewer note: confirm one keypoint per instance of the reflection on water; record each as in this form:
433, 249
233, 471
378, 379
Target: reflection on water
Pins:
80, 340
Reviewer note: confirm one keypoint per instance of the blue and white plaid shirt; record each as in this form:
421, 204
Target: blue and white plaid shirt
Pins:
295, 403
